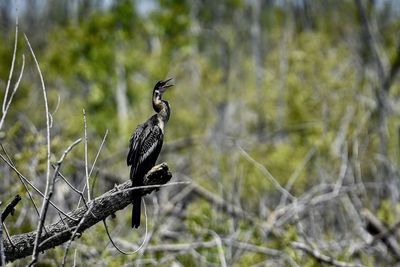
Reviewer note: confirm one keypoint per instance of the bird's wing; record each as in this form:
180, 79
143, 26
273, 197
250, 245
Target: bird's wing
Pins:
151, 144
134, 145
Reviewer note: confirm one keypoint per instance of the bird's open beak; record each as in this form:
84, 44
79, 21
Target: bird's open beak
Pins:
166, 84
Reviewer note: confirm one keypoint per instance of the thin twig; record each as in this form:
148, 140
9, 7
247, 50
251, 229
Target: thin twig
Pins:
49, 184
2, 254
80, 193
53, 237
98, 152
74, 234
181, 247
86, 156
95, 159
221, 253
266, 173
372, 42
66, 181
60, 161
76, 250
385, 234
16, 86
343, 169
12, 67
376, 227
394, 69
21, 180
321, 257
221, 203
33, 186
46, 202
293, 177
94, 163
136, 250
103, 206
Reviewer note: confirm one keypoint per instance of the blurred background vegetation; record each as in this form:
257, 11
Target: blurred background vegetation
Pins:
300, 93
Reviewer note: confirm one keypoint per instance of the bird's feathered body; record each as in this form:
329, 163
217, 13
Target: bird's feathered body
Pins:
145, 146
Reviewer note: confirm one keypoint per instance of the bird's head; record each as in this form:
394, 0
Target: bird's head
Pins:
161, 86
159, 89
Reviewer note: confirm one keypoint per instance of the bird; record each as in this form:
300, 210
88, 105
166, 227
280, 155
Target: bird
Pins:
145, 144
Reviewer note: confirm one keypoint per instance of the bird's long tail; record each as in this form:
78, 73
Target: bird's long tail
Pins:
136, 201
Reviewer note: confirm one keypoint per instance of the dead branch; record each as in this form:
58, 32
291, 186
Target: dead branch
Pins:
45, 205
21, 180
26, 180
2, 255
221, 203
379, 231
315, 253
183, 247
369, 38
7, 100
103, 206
49, 182
10, 207
86, 157
75, 233
386, 234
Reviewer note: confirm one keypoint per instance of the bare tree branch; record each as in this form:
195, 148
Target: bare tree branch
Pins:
7, 211
21, 180
46, 203
2, 255
7, 103
376, 228
32, 185
370, 38
136, 250
385, 73
10, 207
45, 206
49, 182
86, 157
221, 203
75, 233
315, 253
12, 67
93, 165
265, 171
103, 206
179, 247
394, 69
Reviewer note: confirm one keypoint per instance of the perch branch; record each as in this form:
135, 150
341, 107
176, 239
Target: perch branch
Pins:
103, 206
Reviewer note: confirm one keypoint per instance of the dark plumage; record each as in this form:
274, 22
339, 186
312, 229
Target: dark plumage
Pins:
145, 145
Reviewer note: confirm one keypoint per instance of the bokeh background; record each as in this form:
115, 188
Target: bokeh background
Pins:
285, 119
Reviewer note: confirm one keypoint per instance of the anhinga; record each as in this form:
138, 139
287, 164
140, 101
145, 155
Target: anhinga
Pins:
145, 145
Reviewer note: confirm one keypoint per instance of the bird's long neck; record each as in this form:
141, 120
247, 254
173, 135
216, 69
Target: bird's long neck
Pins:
161, 107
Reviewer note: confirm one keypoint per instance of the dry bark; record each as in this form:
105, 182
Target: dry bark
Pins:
103, 206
